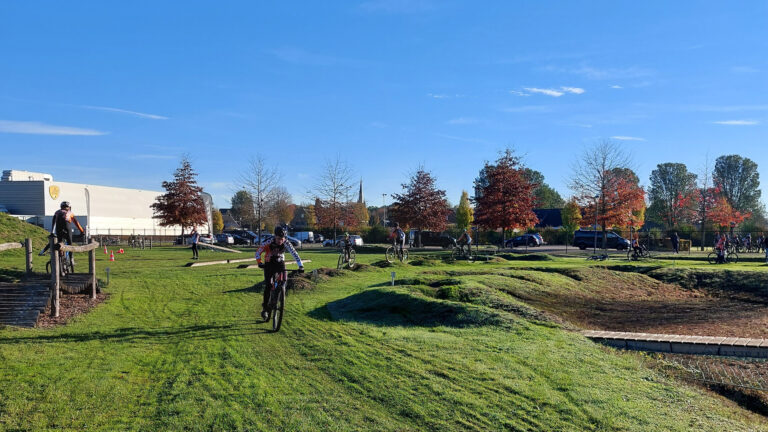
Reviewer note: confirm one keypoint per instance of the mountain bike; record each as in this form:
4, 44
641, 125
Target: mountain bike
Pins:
276, 302
730, 257
458, 252
633, 255
66, 264
395, 253
348, 261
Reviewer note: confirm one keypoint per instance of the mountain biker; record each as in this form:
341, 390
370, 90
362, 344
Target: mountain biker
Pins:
60, 225
274, 262
465, 240
720, 248
346, 244
398, 238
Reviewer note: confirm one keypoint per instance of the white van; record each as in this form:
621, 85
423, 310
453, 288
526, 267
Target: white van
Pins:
305, 236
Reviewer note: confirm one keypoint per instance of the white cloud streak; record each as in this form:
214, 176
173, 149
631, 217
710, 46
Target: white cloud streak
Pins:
123, 111
38, 128
548, 92
627, 138
737, 122
573, 90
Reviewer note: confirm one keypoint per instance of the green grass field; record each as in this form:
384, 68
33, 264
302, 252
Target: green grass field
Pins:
178, 348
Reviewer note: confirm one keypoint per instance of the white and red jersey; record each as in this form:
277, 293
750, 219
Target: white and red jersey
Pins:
276, 253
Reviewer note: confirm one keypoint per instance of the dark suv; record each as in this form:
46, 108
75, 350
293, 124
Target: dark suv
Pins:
431, 238
586, 239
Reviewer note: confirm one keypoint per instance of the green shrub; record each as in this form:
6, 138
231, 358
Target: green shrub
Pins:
450, 292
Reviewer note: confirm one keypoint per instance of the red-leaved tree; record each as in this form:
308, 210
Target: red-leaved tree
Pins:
724, 215
422, 205
182, 203
620, 202
504, 195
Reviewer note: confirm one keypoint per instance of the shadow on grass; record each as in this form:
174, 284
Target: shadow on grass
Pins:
257, 288
161, 335
393, 307
7, 275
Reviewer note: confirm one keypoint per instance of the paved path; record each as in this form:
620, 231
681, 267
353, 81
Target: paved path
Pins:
682, 344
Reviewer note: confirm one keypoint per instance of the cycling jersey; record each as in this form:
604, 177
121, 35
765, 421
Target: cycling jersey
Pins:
276, 253
61, 220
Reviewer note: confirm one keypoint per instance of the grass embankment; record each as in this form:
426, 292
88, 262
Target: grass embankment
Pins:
15, 230
179, 348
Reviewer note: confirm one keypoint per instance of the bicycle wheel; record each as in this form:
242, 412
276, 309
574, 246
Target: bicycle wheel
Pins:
352, 259
455, 253
277, 312
712, 258
629, 254
340, 263
48, 267
390, 254
404, 256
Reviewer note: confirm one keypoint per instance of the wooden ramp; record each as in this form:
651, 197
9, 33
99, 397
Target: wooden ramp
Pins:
218, 248
77, 283
682, 344
21, 303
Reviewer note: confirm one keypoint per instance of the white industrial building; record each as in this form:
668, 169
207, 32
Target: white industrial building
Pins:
101, 210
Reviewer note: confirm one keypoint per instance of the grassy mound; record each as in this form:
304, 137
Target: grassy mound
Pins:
15, 230
719, 279
400, 307
526, 257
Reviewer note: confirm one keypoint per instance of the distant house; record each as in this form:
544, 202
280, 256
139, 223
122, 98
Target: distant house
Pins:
549, 218
300, 219
229, 222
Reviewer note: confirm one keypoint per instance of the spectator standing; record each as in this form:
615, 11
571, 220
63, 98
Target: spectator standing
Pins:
675, 242
195, 236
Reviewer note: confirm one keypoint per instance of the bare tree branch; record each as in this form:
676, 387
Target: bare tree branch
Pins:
260, 180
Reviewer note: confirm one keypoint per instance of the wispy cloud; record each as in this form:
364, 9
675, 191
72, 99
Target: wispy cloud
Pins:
737, 122
528, 108
554, 92
627, 138
519, 93
397, 6
463, 121
444, 95
123, 111
299, 56
744, 70
463, 139
594, 73
726, 108
38, 128
616, 86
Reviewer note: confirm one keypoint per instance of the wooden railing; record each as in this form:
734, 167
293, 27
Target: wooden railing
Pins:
27, 245
56, 264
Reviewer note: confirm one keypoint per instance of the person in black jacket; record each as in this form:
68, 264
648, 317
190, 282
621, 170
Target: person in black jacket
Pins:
675, 242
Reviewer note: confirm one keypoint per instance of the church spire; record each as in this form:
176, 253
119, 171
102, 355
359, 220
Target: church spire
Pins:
360, 199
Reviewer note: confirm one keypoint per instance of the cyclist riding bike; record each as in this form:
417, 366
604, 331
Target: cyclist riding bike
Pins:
346, 244
465, 240
720, 247
274, 262
60, 226
398, 239
636, 247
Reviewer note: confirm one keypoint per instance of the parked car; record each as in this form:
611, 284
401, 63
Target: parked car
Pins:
355, 239
530, 240
225, 239
204, 238
432, 238
251, 236
319, 238
586, 239
294, 241
242, 241
305, 236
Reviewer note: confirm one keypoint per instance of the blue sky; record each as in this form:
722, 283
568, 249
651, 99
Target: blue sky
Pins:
114, 93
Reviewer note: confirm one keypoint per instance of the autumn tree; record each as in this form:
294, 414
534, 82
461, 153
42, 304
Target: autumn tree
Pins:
332, 194
571, 216
621, 204
673, 194
261, 181
464, 214
598, 177
182, 203
242, 208
504, 196
724, 215
218, 221
739, 182
280, 208
421, 205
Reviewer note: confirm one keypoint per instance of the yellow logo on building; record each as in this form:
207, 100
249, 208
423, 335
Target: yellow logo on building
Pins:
54, 191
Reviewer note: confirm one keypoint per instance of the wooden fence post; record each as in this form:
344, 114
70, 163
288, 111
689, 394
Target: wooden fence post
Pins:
92, 270
28, 248
54, 278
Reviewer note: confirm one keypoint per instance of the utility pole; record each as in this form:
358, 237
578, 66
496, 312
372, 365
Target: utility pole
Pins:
384, 205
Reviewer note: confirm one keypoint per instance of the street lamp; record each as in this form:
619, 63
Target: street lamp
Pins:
594, 246
384, 205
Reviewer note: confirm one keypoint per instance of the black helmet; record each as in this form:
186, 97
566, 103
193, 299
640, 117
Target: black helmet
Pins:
65, 204
279, 232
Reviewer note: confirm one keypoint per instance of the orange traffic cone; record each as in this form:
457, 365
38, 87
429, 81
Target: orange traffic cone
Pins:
111, 256
121, 251
105, 250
